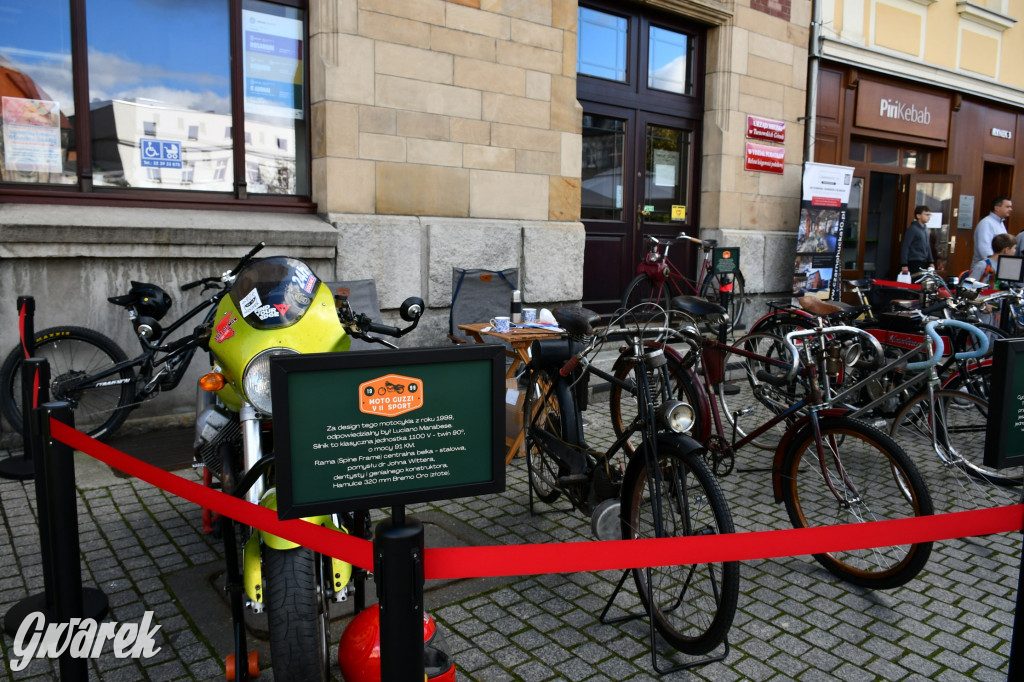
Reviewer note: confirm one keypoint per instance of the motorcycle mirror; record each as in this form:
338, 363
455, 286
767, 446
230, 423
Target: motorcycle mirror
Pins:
412, 309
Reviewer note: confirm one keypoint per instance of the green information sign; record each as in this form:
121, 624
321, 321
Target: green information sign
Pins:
725, 260
1004, 438
362, 430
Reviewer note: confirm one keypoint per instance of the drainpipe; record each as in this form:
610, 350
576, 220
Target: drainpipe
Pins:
813, 57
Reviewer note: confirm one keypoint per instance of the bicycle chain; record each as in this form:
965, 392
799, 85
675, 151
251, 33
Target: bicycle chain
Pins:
719, 455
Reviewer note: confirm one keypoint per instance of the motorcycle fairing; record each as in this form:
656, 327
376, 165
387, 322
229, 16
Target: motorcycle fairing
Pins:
274, 292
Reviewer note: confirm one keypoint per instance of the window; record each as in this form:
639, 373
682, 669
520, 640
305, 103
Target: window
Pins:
668, 66
151, 94
603, 41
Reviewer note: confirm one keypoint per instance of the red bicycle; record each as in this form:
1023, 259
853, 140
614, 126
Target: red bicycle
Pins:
658, 281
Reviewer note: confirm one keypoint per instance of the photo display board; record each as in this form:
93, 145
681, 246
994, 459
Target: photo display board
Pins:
1004, 437
362, 430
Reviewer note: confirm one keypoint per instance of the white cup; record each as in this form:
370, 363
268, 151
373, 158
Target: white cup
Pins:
529, 315
501, 325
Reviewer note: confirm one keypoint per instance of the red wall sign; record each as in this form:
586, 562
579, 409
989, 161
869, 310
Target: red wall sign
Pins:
759, 128
761, 157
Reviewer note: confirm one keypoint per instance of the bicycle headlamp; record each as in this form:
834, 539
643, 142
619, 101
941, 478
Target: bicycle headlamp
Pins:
256, 378
676, 416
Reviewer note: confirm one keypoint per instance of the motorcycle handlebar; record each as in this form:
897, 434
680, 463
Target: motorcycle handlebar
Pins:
246, 258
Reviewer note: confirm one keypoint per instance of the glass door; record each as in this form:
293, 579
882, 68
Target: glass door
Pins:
940, 194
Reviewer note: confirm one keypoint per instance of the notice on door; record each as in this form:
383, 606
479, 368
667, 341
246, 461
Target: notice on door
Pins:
352, 432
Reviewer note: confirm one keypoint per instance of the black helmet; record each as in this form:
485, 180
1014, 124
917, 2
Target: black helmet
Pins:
149, 300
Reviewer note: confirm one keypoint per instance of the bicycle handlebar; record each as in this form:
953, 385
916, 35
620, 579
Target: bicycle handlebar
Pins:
929, 329
795, 355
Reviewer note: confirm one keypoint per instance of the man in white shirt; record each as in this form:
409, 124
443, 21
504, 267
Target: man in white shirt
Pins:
989, 227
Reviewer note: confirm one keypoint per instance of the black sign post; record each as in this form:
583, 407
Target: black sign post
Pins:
363, 430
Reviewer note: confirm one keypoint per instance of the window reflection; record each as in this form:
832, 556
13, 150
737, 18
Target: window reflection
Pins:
602, 45
37, 106
668, 65
604, 141
156, 72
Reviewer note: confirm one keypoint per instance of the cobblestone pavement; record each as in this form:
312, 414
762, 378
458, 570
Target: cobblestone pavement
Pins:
146, 551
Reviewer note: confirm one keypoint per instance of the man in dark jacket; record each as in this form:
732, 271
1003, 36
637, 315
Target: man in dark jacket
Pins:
916, 253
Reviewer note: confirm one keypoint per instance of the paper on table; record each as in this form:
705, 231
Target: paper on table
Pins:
538, 325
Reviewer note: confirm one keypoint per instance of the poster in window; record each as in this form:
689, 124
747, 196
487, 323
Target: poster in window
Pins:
31, 135
272, 65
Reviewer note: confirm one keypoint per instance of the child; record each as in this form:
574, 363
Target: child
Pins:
984, 271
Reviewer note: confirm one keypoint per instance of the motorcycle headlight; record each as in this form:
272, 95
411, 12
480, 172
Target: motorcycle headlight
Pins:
676, 416
256, 378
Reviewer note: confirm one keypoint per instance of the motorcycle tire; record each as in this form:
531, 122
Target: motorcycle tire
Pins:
73, 352
297, 615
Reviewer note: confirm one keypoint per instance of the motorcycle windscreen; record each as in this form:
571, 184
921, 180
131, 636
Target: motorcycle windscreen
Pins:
274, 292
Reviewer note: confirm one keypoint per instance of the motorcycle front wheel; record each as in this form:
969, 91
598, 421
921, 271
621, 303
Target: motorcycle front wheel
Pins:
297, 615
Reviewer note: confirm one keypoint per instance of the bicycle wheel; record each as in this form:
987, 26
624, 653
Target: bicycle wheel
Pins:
543, 422
645, 300
711, 289
959, 421
692, 606
747, 401
669, 381
864, 476
73, 354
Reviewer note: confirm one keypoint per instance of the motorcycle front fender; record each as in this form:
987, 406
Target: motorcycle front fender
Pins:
341, 571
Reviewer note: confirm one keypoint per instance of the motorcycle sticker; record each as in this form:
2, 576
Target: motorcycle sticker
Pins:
305, 278
251, 302
390, 395
266, 312
224, 330
282, 308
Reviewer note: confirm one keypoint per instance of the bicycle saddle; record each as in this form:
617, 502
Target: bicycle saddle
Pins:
818, 306
578, 322
858, 283
696, 306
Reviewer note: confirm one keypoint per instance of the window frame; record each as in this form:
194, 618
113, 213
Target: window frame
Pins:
84, 192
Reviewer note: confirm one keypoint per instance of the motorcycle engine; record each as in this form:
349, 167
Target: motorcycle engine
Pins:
214, 426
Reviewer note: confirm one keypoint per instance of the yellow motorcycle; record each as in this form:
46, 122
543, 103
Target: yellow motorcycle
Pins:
271, 307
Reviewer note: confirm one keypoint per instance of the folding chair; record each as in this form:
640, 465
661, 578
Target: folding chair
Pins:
477, 296
362, 296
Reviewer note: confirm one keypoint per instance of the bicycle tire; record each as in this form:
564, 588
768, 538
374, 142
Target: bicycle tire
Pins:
692, 606
644, 300
878, 482
709, 289
747, 402
960, 422
671, 381
546, 411
71, 352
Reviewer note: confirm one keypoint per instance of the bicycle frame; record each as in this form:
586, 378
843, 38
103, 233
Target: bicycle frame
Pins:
146, 361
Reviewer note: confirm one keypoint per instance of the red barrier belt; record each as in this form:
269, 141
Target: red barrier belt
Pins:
28, 354
513, 560
356, 551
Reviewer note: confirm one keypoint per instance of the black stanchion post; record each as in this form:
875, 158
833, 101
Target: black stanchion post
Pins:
398, 572
21, 468
62, 503
1016, 670
35, 377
